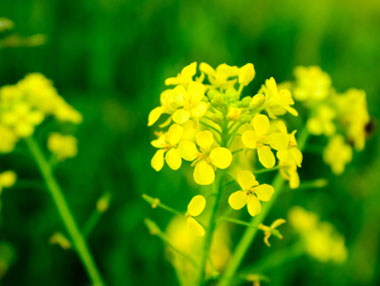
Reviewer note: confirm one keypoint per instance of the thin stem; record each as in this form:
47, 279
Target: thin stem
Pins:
250, 233
91, 223
157, 203
274, 260
267, 170
65, 213
211, 227
238, 221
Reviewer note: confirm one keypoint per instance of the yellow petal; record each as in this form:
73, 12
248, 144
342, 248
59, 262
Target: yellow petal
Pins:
24, 129
246, 179
199, 110
158, 160
221, 157
195, 227
196, 205
296, 155
154, 115
264, 192
283, 155
278, 222
173, 159
266, 156
188, 150
238, 200
181, 116
246, 74
253, 205
261, 124
196, 91
204, 139
278, 141
249, 139
189, 70
203, 173
174, 134
294, 182
7, 179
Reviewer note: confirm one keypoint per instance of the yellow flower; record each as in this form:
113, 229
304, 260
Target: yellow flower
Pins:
278, 101
63, 146
167, 144
312, 84
221, 76
7, 180
184, 77
291, 153
263, 140
246, 74
289, 172
320, 238
195, 208
322, 121
8, 139
209, 158
337, 154
251, 193
269, 230
21, 119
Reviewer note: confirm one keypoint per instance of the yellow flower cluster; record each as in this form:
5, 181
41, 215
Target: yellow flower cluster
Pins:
342, 117
62, 146
25, 105
207, 122
320, 238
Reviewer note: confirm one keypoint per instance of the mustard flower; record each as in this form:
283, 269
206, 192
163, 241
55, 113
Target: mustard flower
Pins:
262, 139
337, 154
194, 209
312, 84
8, 139
167, 143
278, 100
269, 230
7, 180
251, 193
62, 146
323, 121
184, 77
223, 77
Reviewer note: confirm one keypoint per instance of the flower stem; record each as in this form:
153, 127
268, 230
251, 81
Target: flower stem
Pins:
65, 213
210, 231
250, 233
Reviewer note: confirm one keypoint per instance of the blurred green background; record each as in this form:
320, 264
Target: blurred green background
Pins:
109, 58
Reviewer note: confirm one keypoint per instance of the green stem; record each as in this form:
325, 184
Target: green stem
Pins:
238, 221
210, 232
274, 260
64, 211
91, 223
157, 203
250, 233
267, 170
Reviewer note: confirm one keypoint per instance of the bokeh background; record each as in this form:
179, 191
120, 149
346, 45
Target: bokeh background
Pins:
109, 58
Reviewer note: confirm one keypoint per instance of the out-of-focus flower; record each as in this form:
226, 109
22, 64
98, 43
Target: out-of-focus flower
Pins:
337, 154
63, 146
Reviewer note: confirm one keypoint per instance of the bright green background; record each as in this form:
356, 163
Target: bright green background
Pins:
109, 58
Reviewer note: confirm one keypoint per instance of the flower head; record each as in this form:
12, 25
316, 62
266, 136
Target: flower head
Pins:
251, 193
63, 146
337, 154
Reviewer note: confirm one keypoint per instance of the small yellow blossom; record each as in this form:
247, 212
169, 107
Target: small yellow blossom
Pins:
288, 171
337, 154
195, 208
278, 101
184, 77
269, 230
246, 74
251, 193
263, 140
224, 76
168, 147
7, 180
320, 238
322, 122
8, 139
63, 146
312, 84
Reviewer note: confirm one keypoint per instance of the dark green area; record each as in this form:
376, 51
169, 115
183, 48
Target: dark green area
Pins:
109, 58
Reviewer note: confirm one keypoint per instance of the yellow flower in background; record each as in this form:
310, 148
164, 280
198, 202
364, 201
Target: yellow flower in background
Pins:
7, 180
251, 193
167, 143
337, 154
321, 240
353, 115
8, 139
263, 140
195, 208
63, 146
184, 77
21, 119
278, 101
312, 84
322, 122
